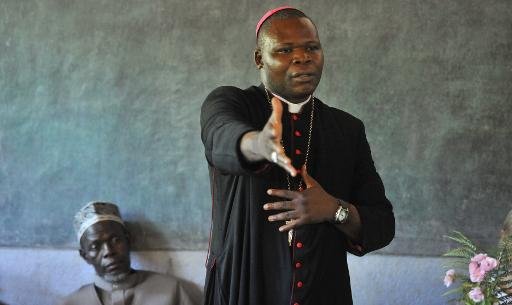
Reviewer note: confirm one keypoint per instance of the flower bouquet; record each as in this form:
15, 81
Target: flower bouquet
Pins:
484, 278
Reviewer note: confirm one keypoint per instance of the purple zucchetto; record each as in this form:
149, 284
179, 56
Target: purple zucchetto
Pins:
269, 14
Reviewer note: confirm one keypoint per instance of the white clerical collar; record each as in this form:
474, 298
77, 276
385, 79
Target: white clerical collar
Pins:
292, 108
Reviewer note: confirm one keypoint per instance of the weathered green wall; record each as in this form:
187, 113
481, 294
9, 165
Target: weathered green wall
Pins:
100, 100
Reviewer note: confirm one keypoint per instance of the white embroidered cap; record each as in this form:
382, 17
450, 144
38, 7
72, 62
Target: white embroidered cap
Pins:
94, 212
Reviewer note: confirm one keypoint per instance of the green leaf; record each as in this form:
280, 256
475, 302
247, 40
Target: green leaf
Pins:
451, 291
462, 252
463, 240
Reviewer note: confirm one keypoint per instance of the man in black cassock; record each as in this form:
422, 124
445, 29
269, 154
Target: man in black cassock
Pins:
293, 182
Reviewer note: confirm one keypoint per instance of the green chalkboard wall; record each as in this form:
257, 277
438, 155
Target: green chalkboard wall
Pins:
100, 100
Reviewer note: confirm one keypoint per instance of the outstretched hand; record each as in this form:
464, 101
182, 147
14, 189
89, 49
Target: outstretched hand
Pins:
266, 143
313, 205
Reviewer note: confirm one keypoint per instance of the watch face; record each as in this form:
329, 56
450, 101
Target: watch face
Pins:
343, 215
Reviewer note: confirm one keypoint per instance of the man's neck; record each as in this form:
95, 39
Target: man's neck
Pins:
129, 281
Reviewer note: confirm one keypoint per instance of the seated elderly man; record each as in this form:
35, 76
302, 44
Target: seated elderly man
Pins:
105, 245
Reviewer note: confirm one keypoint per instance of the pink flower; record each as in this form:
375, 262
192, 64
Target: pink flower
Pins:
481, 264
488, 264
476, 274
476, 295
449, 277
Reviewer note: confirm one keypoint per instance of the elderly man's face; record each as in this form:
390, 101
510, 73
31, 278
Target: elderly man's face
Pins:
105, 246
290, 58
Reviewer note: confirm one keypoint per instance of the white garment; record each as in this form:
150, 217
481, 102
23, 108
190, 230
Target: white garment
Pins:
140, 288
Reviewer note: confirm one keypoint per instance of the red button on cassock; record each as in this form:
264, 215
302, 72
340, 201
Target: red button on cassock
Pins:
295, 117
299, 245
297, 133
299, 284
298, 265
295, 303
298, 152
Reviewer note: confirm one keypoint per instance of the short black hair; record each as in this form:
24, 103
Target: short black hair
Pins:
283, 14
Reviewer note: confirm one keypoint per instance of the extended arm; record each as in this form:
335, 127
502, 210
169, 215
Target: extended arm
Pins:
232, 143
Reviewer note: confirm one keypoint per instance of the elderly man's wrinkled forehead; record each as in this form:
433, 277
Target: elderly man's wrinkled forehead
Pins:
101, 230
284, 14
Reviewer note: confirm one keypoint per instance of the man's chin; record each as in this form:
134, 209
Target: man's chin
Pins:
303, 91
115, 277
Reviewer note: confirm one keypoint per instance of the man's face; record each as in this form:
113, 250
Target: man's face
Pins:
290, 58
105, 246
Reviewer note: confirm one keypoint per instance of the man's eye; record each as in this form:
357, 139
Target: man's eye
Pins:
285, 50
313, 48
115, 239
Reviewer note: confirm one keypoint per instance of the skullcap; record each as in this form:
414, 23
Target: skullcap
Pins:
94, 212
269, 13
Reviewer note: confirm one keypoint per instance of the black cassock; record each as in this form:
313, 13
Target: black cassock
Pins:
249, 261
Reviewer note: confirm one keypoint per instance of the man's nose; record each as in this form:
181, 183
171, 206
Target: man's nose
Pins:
301, 56
108, 249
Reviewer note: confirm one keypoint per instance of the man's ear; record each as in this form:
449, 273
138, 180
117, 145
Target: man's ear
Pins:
257, 58
82, 254
129, 239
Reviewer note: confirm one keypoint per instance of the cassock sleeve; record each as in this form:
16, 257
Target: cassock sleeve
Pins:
368, 195
225, 118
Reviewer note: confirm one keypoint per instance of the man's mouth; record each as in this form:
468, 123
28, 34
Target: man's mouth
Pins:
303, 77
112, 266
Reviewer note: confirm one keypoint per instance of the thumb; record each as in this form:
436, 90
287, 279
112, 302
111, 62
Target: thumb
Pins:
308, 180
277, 110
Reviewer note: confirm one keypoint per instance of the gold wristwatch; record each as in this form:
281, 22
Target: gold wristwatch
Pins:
341, 215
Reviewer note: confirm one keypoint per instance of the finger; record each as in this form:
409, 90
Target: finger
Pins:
272, 131
289, 225
283, 193
276, 146
284, 161
283, 216
308, 180
274, 125
277, 149
289, 168
282, 158
277, 111
279, 205
286, 164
